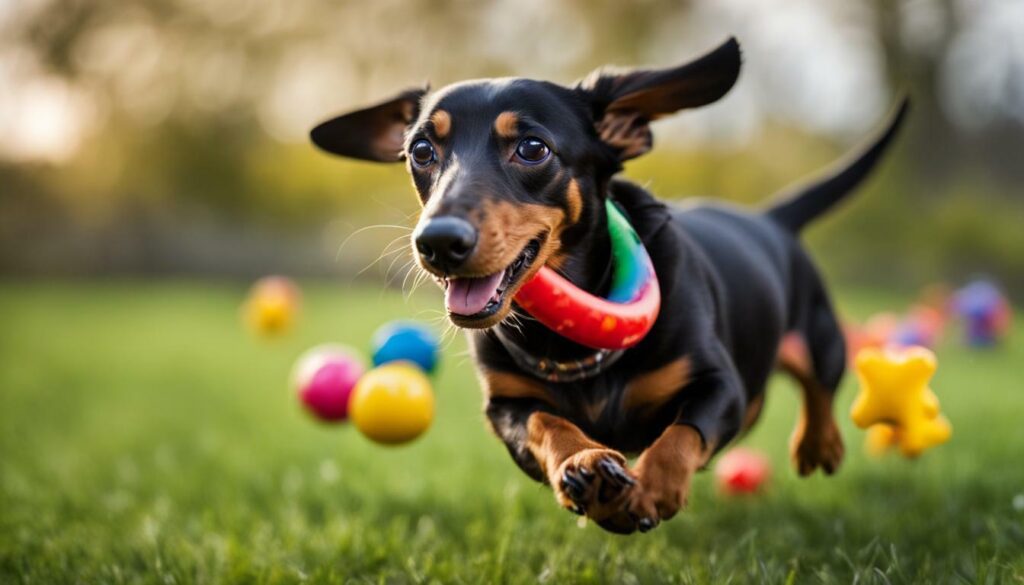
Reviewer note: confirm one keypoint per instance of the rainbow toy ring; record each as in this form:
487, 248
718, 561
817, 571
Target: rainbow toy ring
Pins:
618, 322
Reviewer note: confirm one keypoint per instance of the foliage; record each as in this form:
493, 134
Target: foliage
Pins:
193, 158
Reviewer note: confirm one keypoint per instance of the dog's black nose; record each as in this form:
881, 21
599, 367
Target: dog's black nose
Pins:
445, 242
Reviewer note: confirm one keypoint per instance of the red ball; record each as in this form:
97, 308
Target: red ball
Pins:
742, 471
324, 378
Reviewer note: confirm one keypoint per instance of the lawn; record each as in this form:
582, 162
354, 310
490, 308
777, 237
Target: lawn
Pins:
146, 437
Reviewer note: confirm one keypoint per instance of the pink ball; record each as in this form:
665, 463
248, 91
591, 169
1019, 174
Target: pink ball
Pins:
324, 378
742, 471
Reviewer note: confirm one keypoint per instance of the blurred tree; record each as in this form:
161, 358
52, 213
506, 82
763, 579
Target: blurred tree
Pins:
169, 135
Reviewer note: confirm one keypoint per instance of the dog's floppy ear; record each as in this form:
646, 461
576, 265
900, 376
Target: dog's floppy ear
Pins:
375, 133
624, 102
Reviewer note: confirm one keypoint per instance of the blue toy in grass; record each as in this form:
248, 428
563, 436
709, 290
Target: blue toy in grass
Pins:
985, 312
406, 340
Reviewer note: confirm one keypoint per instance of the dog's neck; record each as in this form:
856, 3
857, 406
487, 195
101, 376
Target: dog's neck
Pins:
587, 263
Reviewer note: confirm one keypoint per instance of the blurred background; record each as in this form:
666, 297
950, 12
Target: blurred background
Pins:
154, 160
168, 137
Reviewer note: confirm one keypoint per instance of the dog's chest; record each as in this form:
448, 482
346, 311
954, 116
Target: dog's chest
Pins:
626, 412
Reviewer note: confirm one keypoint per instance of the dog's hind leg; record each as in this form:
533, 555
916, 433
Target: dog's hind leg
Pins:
816, 358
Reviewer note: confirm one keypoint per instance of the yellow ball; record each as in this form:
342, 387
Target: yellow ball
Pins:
393, 403
269, 315
272, 306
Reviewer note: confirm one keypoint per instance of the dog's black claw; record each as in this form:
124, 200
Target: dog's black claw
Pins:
573, 486
646, 524
625, 477
615, 472
585, 473
606, 466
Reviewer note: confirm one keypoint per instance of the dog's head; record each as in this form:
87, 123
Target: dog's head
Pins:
506, 168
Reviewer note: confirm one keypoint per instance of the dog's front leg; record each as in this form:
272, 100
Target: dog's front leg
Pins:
710, 414
586, 476
664, 471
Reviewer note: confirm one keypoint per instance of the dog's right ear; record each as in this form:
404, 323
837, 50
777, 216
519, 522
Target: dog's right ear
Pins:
375, 133
624, 103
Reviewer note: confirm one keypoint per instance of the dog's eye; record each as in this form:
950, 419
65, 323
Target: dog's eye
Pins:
532, 151
422, 153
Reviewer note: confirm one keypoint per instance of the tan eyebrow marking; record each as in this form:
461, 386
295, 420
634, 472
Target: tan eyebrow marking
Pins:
574, 201
442, 122
506, 124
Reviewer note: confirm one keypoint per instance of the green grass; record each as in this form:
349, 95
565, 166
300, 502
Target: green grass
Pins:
145, 437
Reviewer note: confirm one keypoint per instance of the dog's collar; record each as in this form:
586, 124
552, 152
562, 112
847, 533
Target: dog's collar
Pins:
617, 322
557, 371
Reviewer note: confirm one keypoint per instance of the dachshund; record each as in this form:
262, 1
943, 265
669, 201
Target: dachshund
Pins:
513, 174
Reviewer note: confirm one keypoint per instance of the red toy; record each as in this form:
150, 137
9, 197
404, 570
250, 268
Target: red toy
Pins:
618, 322
742, 471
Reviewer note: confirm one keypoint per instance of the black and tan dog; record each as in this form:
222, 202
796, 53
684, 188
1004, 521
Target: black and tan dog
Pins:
513, 174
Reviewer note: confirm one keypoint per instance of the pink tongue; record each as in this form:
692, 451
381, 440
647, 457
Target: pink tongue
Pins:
469, 296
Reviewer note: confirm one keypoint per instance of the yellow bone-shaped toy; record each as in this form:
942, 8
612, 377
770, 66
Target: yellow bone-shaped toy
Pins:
894, 391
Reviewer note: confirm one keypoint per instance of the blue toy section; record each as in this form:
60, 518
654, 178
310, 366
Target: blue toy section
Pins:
406, 340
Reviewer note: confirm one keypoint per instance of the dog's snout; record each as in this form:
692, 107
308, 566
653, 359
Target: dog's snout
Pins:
445, 242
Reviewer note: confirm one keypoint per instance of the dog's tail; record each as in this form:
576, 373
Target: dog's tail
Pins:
797, 206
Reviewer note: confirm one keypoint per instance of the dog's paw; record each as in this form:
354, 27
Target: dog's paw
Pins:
652, 504
663, 475
646, 505
593, 482
812, 448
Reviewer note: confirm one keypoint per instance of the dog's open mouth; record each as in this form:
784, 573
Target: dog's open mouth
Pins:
477, 298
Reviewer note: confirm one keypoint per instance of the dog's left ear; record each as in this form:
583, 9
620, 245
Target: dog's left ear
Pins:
625, 102
375, 133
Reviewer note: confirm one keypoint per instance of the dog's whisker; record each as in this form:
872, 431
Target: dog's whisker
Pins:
382, 256
510, 320
401, 240
417, 282
418, 278
449, 335
385, 252
393, 279
409, 271
388, 278
515, 321
523, 317
344, 242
